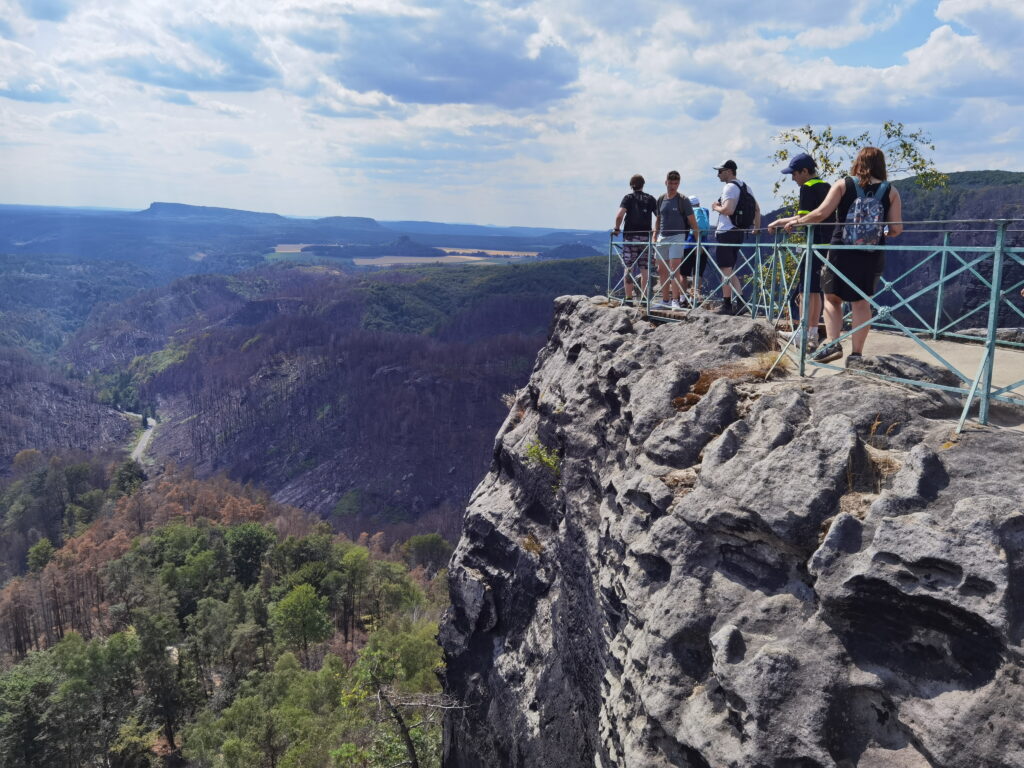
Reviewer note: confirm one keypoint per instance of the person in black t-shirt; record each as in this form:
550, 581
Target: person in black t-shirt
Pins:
813, 191
636, 208
860, 266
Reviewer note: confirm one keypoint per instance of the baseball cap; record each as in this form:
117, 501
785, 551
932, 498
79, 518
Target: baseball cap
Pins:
800, 162
727, 164
694, 200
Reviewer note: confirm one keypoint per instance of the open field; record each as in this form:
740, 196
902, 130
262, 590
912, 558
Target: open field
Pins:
388, 261
489, 252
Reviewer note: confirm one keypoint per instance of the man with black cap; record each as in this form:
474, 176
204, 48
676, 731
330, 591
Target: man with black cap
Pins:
728, 235
813, 191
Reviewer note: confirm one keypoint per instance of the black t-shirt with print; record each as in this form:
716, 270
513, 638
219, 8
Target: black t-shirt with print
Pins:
639, 208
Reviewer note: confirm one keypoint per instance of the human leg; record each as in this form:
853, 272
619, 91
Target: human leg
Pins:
861, 314
833, 316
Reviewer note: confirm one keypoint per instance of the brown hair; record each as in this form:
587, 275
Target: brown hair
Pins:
672, 176
637, 182
869, 162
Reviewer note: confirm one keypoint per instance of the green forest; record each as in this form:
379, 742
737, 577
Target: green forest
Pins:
177, 621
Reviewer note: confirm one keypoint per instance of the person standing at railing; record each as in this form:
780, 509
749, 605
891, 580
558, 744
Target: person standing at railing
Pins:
674, 220
703, 217
734, 217
636, 208
867, 182
813, 191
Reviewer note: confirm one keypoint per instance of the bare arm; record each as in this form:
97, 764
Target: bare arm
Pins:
693, 224
895, 216
757, 216
727, 207
618, 219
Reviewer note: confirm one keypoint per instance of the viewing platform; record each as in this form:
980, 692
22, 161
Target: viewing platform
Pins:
949, 296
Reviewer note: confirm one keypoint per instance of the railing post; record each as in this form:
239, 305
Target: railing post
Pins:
650, 275
698, 271
805, 299
942, 285
755, 284
993, 321
611, 255
772, 308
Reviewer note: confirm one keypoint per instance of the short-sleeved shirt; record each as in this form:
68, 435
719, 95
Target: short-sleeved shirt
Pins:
731, 191
812, 194
639, 208
675, 213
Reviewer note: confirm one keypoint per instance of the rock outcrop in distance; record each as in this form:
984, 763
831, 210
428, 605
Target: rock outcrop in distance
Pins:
674, 563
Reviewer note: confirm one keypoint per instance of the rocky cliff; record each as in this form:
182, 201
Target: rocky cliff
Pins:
674, 563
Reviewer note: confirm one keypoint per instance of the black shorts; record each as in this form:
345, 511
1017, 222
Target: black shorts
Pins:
727, 251
862, 268
689, 263
816, 265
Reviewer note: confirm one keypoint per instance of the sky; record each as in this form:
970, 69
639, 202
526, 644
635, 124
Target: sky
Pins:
494, 112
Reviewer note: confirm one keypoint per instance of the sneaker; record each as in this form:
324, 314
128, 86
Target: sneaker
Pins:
827, 352
662, 304
854, 360
674, 306
726, 308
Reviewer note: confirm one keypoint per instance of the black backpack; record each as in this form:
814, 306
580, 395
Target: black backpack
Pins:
746, 208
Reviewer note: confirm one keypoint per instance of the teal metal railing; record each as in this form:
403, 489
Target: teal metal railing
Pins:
925, 302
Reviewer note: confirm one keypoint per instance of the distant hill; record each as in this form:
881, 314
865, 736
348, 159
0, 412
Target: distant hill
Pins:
570, 251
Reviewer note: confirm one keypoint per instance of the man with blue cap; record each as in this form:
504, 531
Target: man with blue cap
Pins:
813, 191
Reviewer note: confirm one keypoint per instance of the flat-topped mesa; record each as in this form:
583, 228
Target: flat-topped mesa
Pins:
675, 563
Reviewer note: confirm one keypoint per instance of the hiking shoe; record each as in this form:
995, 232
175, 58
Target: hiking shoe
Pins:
855, 360
827, 352
726, 308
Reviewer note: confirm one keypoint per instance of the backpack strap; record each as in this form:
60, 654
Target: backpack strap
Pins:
882, 191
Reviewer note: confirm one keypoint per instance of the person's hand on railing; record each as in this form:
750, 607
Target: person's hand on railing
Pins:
787, 223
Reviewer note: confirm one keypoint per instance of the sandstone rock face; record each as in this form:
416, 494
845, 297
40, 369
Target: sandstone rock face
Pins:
716, 571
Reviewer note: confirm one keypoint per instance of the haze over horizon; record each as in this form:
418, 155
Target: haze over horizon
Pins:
494, 113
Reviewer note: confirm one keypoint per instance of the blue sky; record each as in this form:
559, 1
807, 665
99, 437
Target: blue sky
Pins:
514, 112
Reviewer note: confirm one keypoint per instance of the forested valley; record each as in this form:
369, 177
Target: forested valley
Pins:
264, 588
197, 622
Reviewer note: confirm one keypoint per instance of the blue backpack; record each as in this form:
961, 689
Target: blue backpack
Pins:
865, 221
703, 217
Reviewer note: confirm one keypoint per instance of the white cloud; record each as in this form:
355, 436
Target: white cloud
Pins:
154, 90
81, 121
